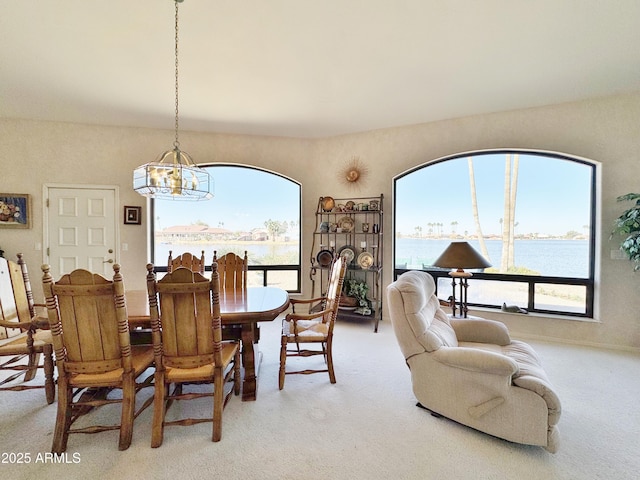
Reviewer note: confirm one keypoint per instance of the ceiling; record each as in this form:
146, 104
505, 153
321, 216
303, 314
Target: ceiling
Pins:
308, 68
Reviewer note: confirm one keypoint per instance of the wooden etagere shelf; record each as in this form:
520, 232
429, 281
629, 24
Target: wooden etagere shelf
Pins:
350, 227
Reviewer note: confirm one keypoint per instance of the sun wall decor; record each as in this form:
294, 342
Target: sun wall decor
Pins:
354, 172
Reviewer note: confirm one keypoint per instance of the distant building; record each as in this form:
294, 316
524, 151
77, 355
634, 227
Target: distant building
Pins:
193, 233
259, 235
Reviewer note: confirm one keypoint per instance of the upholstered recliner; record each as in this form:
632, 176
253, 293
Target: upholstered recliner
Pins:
469, 370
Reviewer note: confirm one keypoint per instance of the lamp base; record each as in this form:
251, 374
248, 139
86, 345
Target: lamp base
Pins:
462, 284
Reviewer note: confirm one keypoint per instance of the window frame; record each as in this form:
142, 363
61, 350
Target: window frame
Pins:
529, 280
265, 269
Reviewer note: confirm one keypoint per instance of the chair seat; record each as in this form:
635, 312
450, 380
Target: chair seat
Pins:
141, 359
182, 375
308, 330
18, 344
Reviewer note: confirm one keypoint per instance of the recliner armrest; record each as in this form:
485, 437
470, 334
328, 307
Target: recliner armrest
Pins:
481, 330
476, 360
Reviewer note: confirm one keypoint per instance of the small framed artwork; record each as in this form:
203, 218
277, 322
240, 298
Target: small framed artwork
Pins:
132, 215
15, 210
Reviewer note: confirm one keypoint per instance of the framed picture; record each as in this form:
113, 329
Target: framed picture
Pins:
15, 210
132, 215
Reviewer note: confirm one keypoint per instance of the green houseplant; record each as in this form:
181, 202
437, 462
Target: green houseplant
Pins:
358, 289
627, 225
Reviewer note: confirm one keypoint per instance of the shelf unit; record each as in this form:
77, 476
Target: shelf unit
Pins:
356, 224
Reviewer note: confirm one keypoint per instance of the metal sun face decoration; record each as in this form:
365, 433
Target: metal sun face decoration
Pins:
354, 172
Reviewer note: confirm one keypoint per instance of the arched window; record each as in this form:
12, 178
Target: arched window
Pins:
253, 210
530, 214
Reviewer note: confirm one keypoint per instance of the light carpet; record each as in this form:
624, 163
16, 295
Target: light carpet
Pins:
364, 427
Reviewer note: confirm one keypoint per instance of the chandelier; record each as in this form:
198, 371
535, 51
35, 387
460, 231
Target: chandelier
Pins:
173, 176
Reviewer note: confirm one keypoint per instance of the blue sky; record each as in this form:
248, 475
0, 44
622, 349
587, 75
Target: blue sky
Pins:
241, 202
553, 195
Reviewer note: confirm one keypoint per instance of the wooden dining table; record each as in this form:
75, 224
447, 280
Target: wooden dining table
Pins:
241, 311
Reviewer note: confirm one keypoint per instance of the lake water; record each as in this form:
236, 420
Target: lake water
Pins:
568, 258
259, 253
547, 257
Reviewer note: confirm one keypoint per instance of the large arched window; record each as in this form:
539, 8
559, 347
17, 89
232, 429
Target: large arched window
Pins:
253, 210
530, 214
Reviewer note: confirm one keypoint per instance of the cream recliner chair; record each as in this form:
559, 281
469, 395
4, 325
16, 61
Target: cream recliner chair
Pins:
469, 370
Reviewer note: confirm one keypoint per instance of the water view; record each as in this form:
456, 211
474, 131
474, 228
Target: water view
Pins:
259, 253
566, 258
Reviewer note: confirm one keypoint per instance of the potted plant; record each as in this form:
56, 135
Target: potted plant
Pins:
358, 289
628, 226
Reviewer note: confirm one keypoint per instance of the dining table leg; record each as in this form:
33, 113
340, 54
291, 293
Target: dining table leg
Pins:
249, 362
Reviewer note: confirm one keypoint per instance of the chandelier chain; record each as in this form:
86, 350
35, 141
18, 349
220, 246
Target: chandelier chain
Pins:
174, 175
176, 143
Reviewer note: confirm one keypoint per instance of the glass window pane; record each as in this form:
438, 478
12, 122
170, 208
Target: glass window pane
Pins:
488, 292
527, 213
286, 279
548, 233
562, 298
240, 217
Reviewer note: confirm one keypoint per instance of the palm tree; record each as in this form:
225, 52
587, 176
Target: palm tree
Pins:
474, 207
512, 206
510, 188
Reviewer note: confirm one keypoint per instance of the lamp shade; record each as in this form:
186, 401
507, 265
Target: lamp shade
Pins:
461, 255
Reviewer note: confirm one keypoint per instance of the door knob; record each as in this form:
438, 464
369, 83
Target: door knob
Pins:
108, 261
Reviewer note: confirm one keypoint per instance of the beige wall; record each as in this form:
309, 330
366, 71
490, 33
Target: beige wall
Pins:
604, 130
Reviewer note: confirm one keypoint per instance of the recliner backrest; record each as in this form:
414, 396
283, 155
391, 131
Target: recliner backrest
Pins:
419, 322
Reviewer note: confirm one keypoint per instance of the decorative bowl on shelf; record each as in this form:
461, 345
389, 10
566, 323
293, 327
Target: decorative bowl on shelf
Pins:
328, 203
324, 258
346, 224
348, 253
365, 260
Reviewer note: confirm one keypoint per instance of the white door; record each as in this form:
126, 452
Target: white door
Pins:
80, 228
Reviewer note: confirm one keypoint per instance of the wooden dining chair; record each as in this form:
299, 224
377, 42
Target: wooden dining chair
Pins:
187, 336
88, 318
187, 260
24, 335
233, 270
313, 328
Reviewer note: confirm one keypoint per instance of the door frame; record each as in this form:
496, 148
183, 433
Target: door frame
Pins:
81, 186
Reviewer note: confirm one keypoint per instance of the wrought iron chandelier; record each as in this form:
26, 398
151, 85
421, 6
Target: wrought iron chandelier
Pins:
173, 176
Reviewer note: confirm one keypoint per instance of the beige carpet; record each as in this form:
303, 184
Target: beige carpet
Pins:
364, 427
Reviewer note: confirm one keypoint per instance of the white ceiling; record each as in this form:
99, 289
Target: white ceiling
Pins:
309, 68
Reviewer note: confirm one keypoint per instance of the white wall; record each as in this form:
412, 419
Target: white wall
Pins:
604, 130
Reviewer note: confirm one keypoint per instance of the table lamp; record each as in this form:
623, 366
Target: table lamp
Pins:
460, 255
